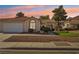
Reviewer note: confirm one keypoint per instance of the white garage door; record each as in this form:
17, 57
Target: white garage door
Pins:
12, 27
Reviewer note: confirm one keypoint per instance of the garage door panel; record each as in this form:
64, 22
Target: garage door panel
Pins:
13, 27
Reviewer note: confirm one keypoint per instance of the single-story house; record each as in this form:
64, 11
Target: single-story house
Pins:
22, 23
19, 24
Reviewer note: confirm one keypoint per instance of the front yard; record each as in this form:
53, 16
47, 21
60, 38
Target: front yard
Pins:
18, 43
63, 36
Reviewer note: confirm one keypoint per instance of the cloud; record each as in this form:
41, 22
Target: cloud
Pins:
11, 12
20, 8
72, 12
43, 12
7, 16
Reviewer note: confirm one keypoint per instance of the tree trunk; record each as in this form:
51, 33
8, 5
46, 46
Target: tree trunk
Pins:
58, 26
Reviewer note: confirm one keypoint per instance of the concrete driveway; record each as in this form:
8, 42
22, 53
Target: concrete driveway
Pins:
4, 36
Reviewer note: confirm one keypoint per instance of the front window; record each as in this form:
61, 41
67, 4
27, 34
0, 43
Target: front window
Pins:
32, 24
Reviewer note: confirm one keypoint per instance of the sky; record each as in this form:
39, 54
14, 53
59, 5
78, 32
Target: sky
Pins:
9, 11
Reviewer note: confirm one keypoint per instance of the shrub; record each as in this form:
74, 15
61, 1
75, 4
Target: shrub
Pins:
45, 29
30, 30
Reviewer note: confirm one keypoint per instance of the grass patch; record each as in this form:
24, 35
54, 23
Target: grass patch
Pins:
68, 34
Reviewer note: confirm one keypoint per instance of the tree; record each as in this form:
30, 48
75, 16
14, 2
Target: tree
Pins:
44, 17
20, 14
59, 16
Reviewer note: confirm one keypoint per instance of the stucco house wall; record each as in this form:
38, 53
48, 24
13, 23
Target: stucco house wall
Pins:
38, 26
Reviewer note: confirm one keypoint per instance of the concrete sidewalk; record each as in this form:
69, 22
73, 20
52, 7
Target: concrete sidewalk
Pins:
39, 45
42, 48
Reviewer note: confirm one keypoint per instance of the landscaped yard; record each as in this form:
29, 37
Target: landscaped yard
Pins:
69, 34
63, 36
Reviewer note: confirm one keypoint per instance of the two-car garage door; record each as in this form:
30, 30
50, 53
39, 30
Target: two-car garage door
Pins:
13, 27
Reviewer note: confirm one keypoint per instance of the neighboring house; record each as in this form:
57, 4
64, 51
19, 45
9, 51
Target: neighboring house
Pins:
75, 22
72, 23
67, 25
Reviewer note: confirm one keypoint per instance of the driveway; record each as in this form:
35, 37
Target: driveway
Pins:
4, 36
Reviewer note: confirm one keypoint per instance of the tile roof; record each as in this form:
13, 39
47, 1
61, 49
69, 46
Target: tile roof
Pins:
75, 20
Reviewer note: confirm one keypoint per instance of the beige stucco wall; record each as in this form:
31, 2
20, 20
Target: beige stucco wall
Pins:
37, 25
26, 26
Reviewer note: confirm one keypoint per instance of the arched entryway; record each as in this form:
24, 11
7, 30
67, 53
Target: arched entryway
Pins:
32, 25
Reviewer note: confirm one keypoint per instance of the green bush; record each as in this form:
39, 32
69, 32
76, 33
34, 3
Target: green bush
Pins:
30, 30
45, 29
